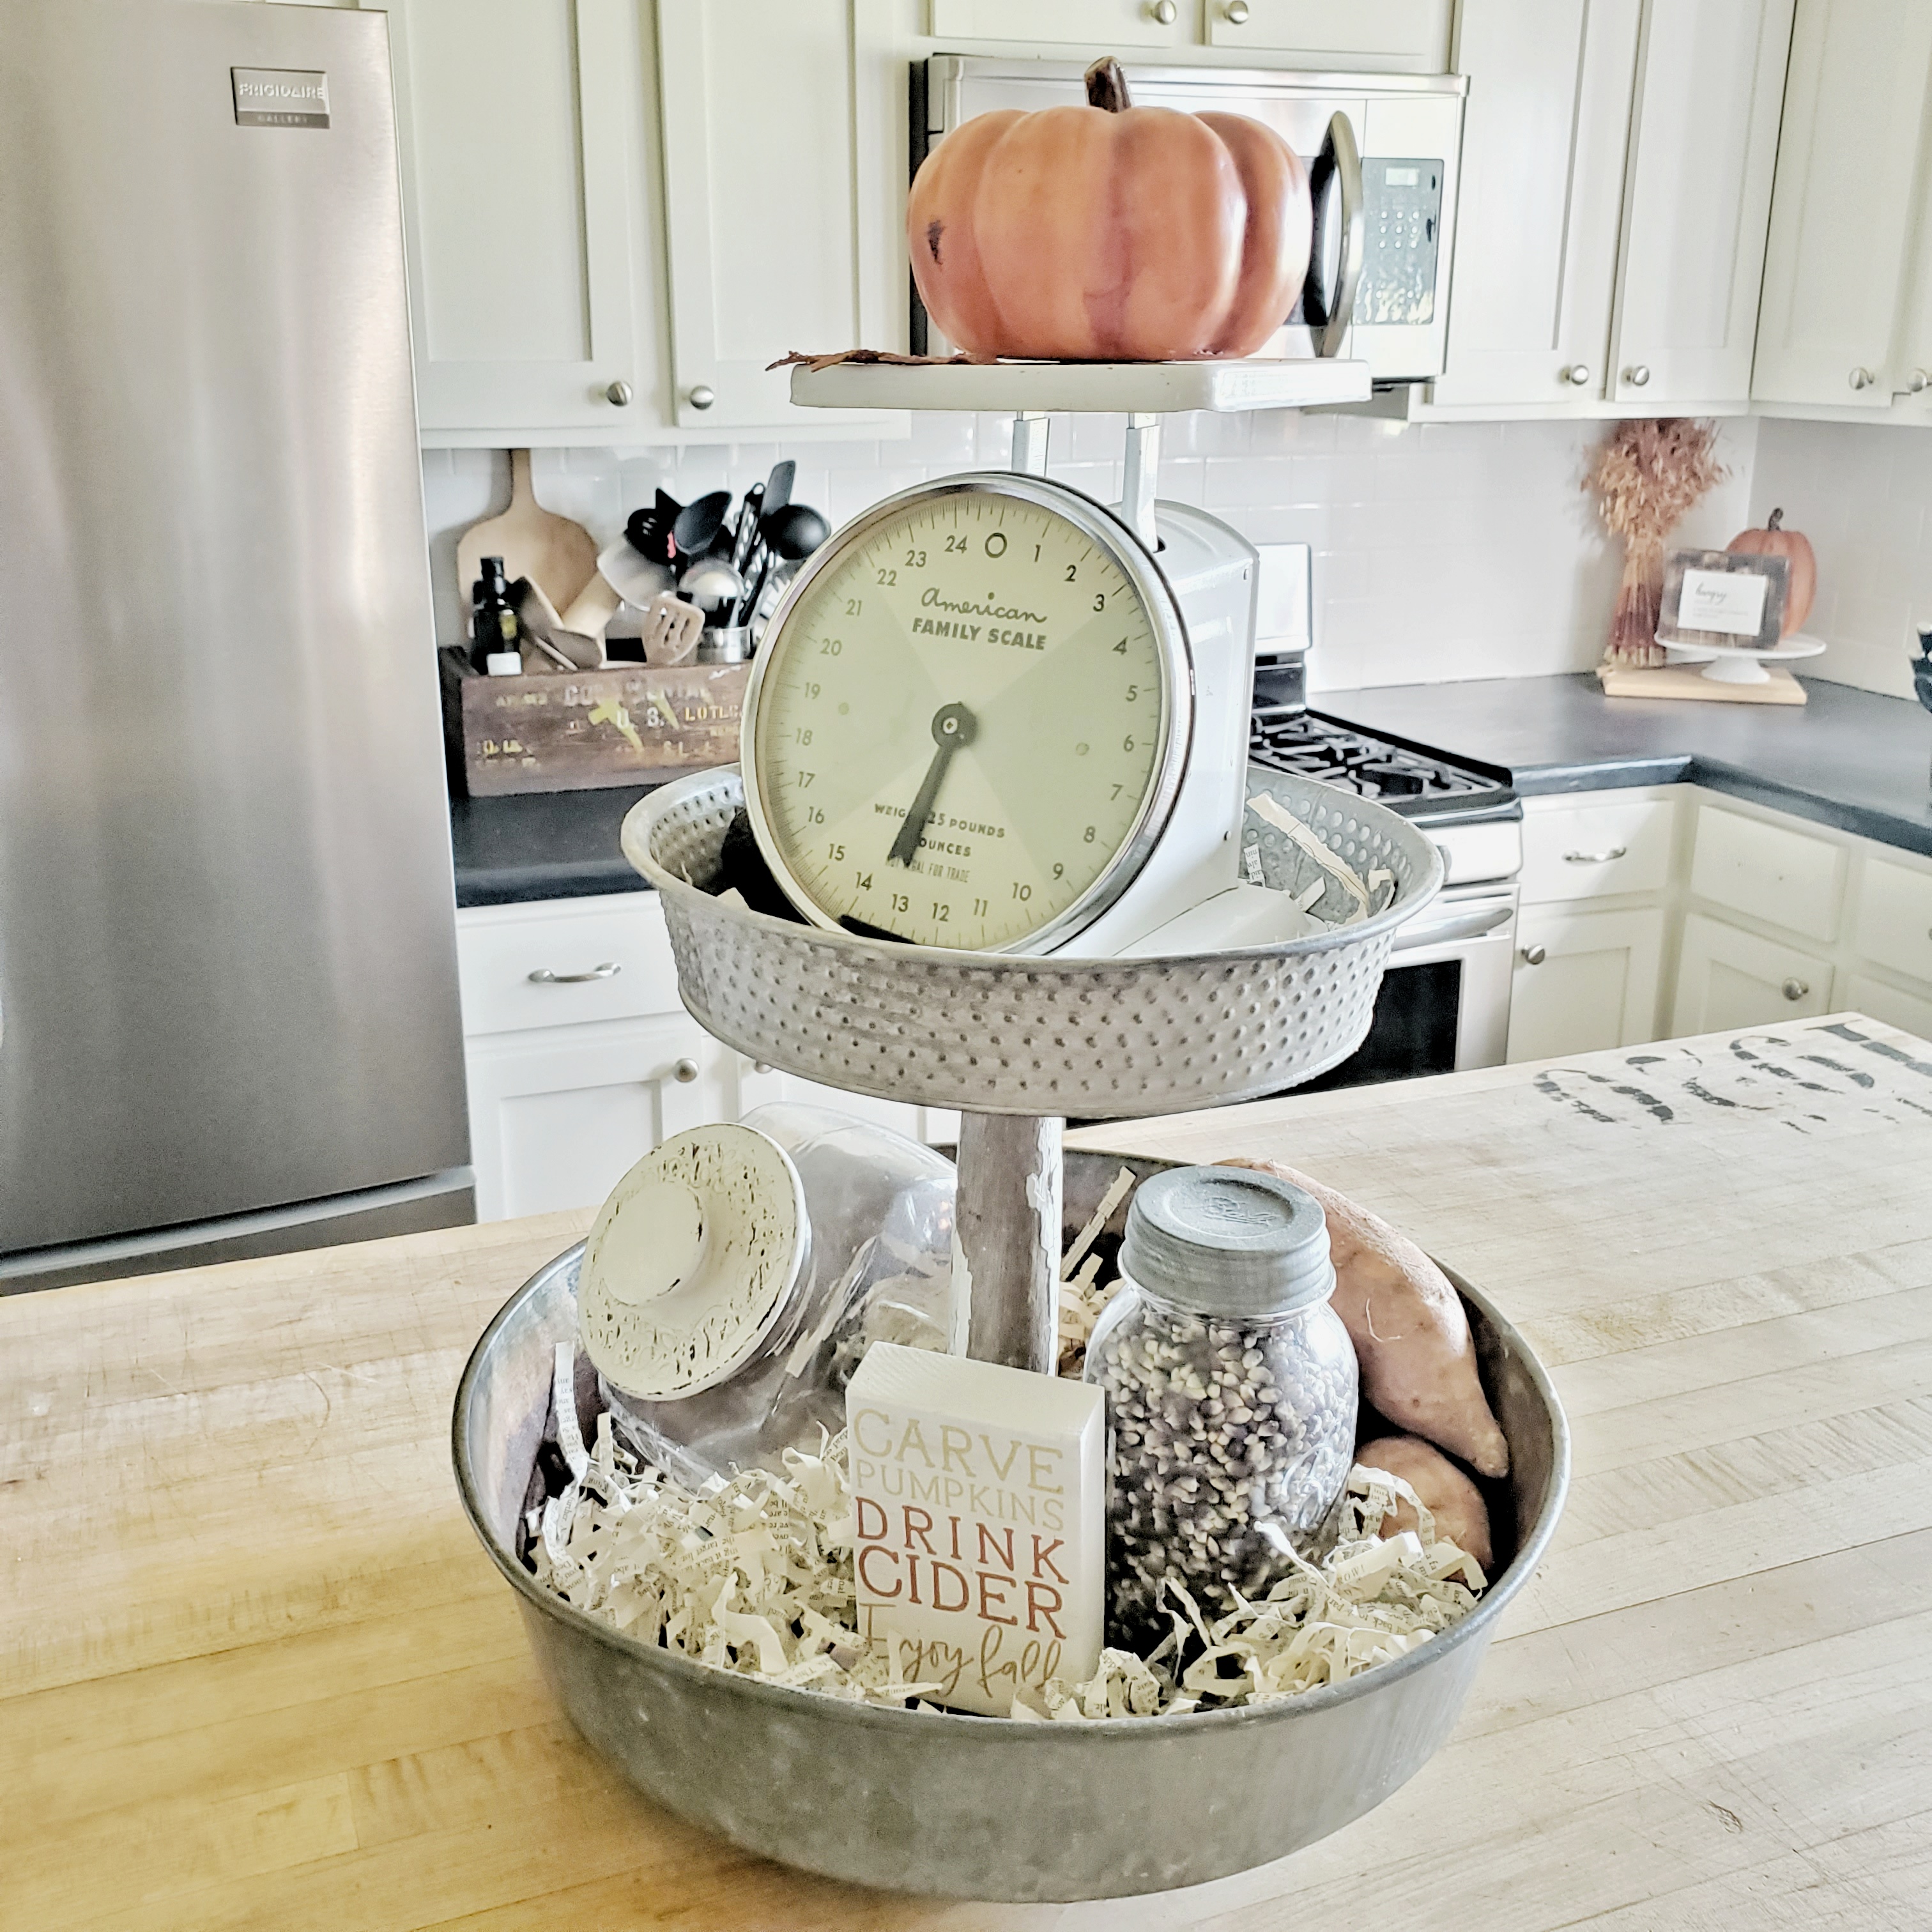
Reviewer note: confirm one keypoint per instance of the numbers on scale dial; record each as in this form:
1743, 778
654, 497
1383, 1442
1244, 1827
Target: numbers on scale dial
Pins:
978, 690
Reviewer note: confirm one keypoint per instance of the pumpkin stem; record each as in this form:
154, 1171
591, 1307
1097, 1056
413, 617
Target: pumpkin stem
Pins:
1107, 86
1776, 517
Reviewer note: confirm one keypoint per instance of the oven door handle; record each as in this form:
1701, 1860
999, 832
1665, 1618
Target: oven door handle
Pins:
1466, 925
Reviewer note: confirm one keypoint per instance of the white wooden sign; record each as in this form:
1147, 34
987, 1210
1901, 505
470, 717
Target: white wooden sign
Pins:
981, 1527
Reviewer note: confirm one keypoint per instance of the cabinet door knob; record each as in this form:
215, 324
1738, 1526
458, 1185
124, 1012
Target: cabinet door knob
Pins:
1637, 375
1795, 989
619, 393
1862, 378
1919, 382
761, 1066
703, 396
1164, 11
1576, 375
543, 976
1534, 955
1237, 13
685, 1073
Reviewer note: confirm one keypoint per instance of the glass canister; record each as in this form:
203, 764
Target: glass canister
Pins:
1231, 1388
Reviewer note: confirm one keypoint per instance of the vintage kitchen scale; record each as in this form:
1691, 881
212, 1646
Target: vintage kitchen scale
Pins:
1017, 994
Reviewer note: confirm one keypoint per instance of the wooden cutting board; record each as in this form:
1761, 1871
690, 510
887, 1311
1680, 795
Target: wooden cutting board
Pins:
556, 555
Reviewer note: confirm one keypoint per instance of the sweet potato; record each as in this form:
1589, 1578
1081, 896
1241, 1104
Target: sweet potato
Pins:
1410, 1335
1451, 1498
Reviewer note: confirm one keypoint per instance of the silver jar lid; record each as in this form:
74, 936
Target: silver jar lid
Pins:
1227, 1240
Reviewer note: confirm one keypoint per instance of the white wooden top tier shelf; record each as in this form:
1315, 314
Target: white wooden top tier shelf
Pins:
1133, 388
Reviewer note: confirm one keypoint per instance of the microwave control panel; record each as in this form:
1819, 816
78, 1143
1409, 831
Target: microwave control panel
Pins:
1403, 201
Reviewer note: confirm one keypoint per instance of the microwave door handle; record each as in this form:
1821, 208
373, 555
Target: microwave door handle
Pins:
1331, 311
1465, 925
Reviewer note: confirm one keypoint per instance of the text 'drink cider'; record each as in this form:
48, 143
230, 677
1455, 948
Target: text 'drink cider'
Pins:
980, 1524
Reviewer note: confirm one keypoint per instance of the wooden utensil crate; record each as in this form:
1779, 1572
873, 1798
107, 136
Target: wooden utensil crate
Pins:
572, 730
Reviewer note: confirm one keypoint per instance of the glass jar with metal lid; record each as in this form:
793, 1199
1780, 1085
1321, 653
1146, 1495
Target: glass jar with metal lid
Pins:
1231, 1389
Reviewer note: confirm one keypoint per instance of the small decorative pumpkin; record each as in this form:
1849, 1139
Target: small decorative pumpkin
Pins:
1774, 540
1110, 232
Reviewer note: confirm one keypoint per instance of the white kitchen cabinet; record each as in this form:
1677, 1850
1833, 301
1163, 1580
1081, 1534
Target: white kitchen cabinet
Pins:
776, 241
1584, 980
1537, 221
1412, 35
1727, 977
757, 1085
1891, 1004
556, 1117
1790, 878
519, 125
1703, 150
1617, 167
1103, 23
1831, 330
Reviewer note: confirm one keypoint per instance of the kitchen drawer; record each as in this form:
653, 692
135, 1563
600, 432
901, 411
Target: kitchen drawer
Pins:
1894, 920
1591, 851
498, 948
1413, 35
1126, 23
1785, 878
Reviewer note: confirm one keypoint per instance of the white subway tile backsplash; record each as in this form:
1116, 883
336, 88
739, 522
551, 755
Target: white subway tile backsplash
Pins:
1443, 550
1862, 493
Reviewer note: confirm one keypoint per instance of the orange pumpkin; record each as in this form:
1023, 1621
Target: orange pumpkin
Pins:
1109, 232
1774, 540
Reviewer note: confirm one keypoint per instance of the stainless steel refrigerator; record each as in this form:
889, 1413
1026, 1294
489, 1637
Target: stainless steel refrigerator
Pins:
228, 1008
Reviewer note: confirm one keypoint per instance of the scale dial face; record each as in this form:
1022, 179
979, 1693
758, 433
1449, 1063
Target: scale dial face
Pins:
968, 723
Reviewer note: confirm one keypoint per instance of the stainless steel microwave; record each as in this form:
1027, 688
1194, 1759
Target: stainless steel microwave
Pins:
1408, 129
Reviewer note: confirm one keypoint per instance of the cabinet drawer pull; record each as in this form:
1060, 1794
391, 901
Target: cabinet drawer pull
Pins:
685, 1071
1795, 989
543, 976
1534, 955
1596, 858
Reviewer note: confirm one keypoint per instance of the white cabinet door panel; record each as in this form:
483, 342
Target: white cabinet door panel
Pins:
764, 138
1594, 984
1105, 23
1911, 1011
557, 1117
759, 1087
520, 196
1539, 212
1704, 145
1727, 977
1844, 205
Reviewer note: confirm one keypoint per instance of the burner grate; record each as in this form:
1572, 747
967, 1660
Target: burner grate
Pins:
1314, 747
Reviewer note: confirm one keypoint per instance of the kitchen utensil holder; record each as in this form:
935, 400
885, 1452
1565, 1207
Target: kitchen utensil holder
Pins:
1017, 1043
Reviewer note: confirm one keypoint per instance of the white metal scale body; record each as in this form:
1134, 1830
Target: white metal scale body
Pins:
984, 718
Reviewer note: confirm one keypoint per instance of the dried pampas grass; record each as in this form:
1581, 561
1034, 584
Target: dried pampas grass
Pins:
1647, 476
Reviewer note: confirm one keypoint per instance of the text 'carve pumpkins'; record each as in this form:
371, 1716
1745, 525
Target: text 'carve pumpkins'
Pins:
1110, 232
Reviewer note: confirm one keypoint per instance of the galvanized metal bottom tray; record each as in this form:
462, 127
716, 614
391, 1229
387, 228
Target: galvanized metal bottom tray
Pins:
977, 1807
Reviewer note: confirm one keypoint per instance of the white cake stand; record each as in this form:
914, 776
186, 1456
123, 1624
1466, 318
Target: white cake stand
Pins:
1742, 664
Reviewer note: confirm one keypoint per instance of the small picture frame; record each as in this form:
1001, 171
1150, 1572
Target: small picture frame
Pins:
1723, 600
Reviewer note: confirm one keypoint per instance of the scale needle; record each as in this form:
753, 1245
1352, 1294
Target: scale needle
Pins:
953, 726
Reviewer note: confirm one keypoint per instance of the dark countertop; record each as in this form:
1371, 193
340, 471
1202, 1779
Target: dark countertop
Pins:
1848, 758
542, 845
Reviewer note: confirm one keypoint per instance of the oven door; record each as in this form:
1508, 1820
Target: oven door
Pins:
1444, 1003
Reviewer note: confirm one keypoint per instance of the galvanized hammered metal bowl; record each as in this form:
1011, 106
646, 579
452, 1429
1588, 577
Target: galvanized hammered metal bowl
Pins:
1096, 1038
977, 1807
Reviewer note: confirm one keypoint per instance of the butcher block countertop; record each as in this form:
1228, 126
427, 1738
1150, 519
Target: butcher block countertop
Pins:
256, 1671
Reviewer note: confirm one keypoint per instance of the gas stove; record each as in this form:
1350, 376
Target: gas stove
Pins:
1418, 785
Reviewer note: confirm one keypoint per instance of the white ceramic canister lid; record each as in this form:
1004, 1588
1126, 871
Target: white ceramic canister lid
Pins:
691, 1261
